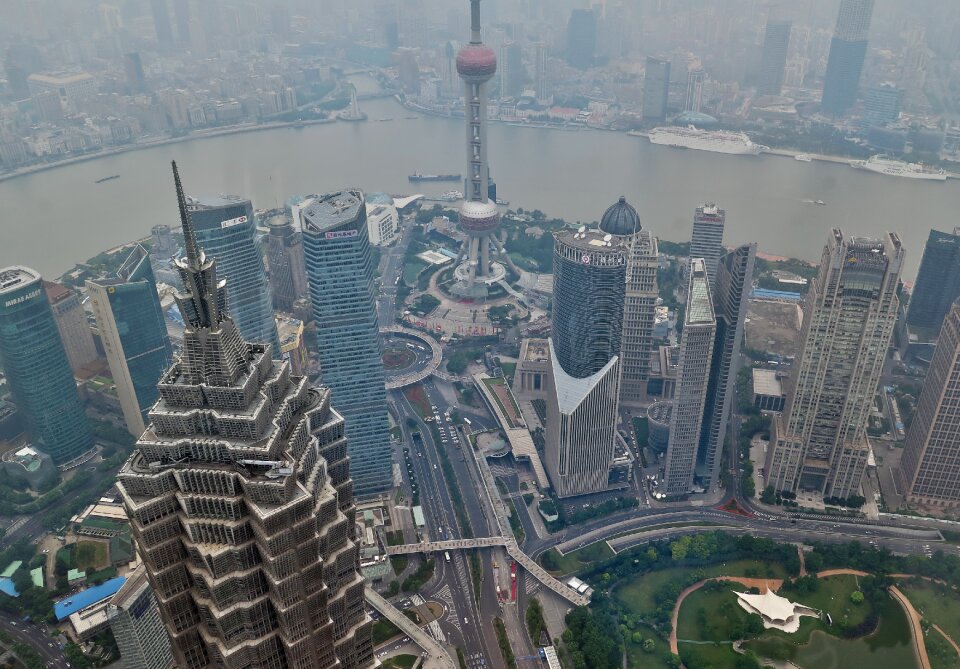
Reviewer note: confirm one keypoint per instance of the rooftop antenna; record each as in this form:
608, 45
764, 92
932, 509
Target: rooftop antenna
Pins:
189, 237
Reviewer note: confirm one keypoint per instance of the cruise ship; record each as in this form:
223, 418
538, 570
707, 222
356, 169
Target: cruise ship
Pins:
718, 141
897, 168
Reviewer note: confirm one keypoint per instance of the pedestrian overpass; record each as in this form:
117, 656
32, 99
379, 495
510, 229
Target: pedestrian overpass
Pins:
513, 550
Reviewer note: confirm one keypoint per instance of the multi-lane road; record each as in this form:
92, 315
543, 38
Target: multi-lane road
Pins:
36, 638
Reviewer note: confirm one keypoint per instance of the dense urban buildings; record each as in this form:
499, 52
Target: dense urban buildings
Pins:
590, 277
706, 241
848, 49
72, 324
133, 334
136, 625
240, 500
339, 265
938, 283
288, 275
690, 396
930, 466
819, 444
773, 58
640, 302
731, 296
656, 90
226, 229
38, 373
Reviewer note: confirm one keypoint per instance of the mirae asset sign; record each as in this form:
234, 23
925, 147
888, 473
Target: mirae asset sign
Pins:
23, 298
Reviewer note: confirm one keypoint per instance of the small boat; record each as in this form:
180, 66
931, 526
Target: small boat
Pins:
417, 176
503, 203
109, 178
803, 157
821, 202
451, 196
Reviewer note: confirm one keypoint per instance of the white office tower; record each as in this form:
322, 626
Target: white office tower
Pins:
696, 356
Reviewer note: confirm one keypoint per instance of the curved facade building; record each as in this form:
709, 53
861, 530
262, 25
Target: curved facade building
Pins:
589, 286
37, 370
225, 228
590, 271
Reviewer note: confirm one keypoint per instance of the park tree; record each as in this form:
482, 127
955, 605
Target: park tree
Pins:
856, 597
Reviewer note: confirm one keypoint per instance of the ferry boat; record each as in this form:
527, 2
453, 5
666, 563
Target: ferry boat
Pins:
717, 141
451, 196
417, 176
803, 157
882, 164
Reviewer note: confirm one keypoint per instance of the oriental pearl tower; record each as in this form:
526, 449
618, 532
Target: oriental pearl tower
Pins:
479, 217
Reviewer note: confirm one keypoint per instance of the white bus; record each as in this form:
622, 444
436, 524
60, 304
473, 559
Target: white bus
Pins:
446, 555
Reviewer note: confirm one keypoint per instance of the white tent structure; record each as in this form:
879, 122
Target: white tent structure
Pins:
777, 612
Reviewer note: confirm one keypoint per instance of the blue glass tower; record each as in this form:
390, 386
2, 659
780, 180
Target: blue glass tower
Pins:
37, 369
225, 228
848, 49
133, 334
340, 274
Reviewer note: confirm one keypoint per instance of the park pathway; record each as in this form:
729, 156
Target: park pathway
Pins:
918, 644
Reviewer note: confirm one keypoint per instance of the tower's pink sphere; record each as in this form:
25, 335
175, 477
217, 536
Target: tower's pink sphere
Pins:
476, 62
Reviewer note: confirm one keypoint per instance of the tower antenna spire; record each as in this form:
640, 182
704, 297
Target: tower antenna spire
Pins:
189, 237
475, 37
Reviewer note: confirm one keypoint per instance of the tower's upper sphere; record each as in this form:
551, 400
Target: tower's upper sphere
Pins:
621, 219
479, 218
476, 63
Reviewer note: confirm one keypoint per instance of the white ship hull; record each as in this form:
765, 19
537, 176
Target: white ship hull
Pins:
731, 143
896, 168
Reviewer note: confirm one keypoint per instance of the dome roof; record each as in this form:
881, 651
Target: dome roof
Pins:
621, 219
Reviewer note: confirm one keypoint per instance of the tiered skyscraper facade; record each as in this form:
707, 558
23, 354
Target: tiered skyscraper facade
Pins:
690, 396
820, 443
36, 367
133, 334
340, 274
225, 227
240, 500
930, 466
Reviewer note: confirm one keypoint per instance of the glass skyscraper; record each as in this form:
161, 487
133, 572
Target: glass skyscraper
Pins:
133, 334
37, 370
340, 273
848, 49
225, 229
938, 283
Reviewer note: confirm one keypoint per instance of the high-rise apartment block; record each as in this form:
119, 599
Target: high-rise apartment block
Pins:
929, 473
288, 274
340, 274
72, 324
640, 302
707, 239
731, 296
226, 228
581, 38
590, 278
38, 373
656, 90
690, 396
819, 444
240, 500
136, 624
938, 283
848, 49
133, 334
773, 58
881, 105
540, 81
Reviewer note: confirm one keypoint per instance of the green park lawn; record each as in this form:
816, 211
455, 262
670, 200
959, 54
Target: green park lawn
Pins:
399, 662
939, 604
638, 595
580, 558
833, 596
637, 658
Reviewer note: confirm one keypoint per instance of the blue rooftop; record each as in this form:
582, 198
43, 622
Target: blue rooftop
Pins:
8, 588
66, 607
766, 293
